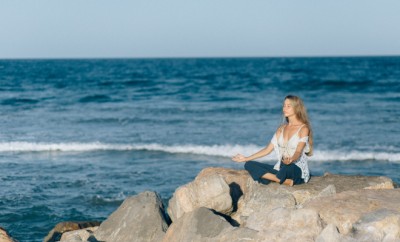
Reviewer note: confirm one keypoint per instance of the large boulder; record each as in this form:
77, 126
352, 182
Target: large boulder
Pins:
262, 198
344, 209
139, 218
236, 179
203, 225
207, 191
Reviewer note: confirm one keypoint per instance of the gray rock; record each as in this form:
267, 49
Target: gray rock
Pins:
211, 192
203, 225
139, 218
284, 224
262, 198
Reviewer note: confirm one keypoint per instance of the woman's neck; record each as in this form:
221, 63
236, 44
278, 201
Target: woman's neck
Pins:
293, 121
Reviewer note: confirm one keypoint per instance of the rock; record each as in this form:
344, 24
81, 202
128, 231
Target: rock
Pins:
353, 208
262, 198
346, 208
352, 183
330, 184
56, 233
202, 225
331, 234
235, 234
207, 191
4, 236
139, 218
79, 235
379, 225
236, 179
247, 196
283, 224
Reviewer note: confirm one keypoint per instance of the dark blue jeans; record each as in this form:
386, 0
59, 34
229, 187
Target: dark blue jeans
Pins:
258, 169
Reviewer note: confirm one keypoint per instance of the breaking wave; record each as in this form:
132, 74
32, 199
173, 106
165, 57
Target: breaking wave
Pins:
209, 150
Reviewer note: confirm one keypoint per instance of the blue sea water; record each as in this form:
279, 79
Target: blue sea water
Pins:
79, 136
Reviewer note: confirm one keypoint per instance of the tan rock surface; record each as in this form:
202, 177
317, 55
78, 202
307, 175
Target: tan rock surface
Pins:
346, 208
379, 225
331, 234
329, 184
78, 235
286, 219
207, 191
56, 233
4, 236
236, 179
318, 186
262, 198
249, 197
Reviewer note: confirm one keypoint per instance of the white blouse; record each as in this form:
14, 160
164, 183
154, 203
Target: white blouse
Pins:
288, 149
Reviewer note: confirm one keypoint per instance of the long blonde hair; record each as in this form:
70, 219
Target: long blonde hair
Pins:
301, 114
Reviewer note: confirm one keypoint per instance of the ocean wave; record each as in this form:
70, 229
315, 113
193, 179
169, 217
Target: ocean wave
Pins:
19, 101
209, 150
101, 200
95, 98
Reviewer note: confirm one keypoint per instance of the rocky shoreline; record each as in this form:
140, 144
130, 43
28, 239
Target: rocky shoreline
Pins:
223, 204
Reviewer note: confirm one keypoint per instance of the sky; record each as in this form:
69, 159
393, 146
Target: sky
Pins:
202, 28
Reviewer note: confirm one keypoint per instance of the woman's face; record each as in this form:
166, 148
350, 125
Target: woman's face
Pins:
288, 109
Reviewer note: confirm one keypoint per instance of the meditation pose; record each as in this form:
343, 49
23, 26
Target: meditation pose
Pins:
292, 143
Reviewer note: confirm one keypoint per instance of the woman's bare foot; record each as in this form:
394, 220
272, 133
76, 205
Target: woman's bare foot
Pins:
288, 182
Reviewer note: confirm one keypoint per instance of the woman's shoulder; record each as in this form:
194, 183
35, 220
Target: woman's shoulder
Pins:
304, 131
280, 128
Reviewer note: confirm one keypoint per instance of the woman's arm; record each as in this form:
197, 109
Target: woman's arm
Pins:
296, 155
259, 154
241, 158
268, 149
300, 146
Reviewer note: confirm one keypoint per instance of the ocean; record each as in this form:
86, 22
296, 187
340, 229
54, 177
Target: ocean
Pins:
78, 136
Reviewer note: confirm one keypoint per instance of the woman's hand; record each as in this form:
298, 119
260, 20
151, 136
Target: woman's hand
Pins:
239, 158
287, 160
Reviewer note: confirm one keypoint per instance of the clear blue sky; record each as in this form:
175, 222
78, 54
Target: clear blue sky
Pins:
202, 28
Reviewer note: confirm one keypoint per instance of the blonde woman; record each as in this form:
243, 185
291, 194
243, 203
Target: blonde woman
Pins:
292, 142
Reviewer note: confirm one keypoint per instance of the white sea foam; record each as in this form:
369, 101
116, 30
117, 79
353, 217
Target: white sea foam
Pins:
211, 150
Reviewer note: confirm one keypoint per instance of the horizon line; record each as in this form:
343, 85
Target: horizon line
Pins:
200, 57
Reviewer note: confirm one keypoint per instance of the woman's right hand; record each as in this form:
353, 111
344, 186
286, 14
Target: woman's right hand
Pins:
239, 158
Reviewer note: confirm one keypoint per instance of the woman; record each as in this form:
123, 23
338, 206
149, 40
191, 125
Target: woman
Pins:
292, 143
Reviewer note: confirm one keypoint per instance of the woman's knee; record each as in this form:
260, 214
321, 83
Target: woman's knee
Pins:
250, 165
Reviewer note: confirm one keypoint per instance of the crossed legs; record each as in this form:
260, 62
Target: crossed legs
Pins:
264, 173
